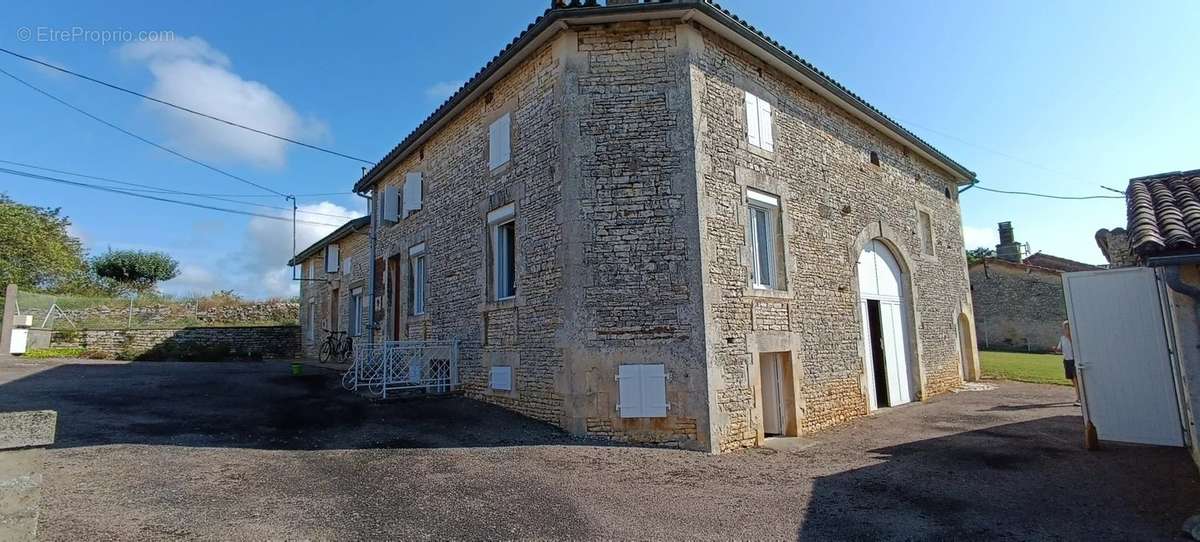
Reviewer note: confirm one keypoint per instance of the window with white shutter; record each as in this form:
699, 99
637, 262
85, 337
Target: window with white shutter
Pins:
759, 130
642, 391
412, 193
764, 240
331, 259
391, 204
499, 136
346, 265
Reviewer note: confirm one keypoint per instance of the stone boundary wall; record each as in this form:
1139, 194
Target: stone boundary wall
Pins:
175, 314
188, 343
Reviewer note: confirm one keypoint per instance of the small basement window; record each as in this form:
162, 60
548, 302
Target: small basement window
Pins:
642, 391
501, 378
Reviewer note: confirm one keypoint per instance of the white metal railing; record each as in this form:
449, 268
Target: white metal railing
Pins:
387, 366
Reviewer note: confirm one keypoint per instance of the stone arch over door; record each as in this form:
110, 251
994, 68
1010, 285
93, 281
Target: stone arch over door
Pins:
885, 236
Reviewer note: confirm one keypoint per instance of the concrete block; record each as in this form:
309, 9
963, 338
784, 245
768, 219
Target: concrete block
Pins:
27, 429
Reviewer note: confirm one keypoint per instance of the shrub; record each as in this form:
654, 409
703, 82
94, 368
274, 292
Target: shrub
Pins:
43, 353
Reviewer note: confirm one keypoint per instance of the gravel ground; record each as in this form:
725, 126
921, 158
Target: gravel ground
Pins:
243, 451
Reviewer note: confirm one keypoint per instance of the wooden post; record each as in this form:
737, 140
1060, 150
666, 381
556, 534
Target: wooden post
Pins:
10, 312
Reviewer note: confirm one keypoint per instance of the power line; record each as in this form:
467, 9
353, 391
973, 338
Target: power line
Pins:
1035, 194
185, 109
156, 198
140, 138
155, 189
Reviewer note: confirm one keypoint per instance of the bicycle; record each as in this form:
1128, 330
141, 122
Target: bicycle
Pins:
333, 349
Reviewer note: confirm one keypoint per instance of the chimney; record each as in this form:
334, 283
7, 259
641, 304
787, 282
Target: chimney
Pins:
1008, 249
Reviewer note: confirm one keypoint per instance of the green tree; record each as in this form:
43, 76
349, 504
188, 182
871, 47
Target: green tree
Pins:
36, 249
135, 271
977, 255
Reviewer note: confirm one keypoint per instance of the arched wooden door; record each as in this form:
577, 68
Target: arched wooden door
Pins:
884, 306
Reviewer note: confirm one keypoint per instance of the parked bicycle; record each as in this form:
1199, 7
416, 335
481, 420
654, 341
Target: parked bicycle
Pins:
338, 346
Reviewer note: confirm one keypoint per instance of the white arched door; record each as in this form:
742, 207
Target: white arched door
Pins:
885, 330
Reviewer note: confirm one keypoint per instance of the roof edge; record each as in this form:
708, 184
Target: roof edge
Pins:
555, 19
342, 231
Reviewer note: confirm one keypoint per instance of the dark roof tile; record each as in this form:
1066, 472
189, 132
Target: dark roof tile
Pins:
1163, 212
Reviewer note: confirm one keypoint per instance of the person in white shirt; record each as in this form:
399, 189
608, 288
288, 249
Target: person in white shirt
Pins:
1068, 353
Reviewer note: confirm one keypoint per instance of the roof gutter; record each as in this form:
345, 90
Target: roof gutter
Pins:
1174, 259
702, 11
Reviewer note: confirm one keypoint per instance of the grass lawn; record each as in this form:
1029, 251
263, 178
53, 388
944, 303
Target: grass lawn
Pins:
1035, 368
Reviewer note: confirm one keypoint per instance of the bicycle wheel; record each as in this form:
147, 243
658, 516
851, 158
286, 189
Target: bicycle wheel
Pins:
347, 350
326, 351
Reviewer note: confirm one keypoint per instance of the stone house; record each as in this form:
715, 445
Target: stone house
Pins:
1018, 300
652, 223
333, 276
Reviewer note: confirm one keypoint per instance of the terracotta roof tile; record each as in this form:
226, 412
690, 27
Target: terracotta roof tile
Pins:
1163, 212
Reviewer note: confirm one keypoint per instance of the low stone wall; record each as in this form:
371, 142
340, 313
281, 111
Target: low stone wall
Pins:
175, 314
190, 343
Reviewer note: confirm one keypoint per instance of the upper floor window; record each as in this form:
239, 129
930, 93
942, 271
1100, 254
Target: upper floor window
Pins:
499, 141
758, 123
331, 259
925, 229
502, 234
413, 192
417, 279
764, 239
347, 265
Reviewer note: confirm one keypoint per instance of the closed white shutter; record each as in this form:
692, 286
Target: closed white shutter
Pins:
391, 202
765, 136
629, 391
331, 259
654, 391
412, 192
498, 141
346, 265
752, 119
501, 378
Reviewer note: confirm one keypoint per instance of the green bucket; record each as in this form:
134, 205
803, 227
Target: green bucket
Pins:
297, 369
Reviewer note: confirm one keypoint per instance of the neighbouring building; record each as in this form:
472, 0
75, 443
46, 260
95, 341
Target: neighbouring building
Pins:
652, 223
333, 294
1018, 300
1114, 244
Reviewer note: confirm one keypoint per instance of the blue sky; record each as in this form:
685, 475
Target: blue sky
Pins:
1057, 97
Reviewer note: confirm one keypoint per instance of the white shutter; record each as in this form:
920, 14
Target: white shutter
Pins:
498, 141
391, 201
766, 138
654, 391
752, 119
346, 265
412, 192
629, 401
331, 259
501, 378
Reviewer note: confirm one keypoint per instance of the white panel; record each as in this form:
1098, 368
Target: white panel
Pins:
1121, 353
887, 272
501, 214
752, 119
762, 197
868, 360
391, 203
347, 265
867, 284
416, 249
498, 141
501, 378
654, 390
412, 192
766, 137
896, 348
331, 259
629, 400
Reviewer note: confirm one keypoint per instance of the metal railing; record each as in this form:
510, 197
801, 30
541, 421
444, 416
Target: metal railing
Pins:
387, 366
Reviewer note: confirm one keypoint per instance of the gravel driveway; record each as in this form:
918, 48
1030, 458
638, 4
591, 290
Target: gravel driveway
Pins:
243, 451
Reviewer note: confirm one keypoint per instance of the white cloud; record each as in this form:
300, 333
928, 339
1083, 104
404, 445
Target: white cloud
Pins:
441, 90
256, 265
191, 73
980, 237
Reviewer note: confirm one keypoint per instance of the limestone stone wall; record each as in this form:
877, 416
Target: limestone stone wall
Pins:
834, 200
267, 341
317, 293
1017, 307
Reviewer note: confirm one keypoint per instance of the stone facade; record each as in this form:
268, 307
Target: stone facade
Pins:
628, 173
264, 341
318, 287
1017, 306
1114, 244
